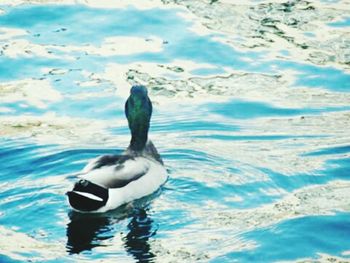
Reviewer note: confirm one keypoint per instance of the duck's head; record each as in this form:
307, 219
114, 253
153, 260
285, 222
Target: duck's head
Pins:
138, 111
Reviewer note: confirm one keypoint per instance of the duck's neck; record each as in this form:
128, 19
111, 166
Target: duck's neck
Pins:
138, 140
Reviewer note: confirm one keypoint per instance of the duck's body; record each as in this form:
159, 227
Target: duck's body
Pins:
110, 181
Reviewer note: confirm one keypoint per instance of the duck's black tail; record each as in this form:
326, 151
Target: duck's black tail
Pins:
87, 196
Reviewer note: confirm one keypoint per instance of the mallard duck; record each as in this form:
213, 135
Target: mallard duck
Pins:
110, 181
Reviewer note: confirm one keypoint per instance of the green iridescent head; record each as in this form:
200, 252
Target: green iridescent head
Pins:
138, 111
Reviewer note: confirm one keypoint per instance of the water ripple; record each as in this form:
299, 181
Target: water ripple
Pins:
251, 117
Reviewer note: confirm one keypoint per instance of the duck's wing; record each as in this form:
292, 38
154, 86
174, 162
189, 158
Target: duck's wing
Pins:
116, 171
104, 160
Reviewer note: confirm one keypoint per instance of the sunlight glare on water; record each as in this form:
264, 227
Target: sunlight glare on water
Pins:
251, 117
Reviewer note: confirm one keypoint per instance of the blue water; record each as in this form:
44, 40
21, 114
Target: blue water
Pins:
299, 233
345, 22
232, 163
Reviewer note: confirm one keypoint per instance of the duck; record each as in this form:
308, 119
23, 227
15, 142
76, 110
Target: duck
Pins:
110, 181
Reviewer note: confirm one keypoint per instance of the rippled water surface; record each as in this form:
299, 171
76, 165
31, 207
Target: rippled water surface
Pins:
251, 116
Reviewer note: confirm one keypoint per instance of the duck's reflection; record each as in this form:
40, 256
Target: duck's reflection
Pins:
136, 241
84, 232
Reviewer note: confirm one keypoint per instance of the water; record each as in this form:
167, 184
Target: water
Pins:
251, 116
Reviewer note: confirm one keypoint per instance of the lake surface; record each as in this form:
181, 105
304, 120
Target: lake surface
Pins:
251, 116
